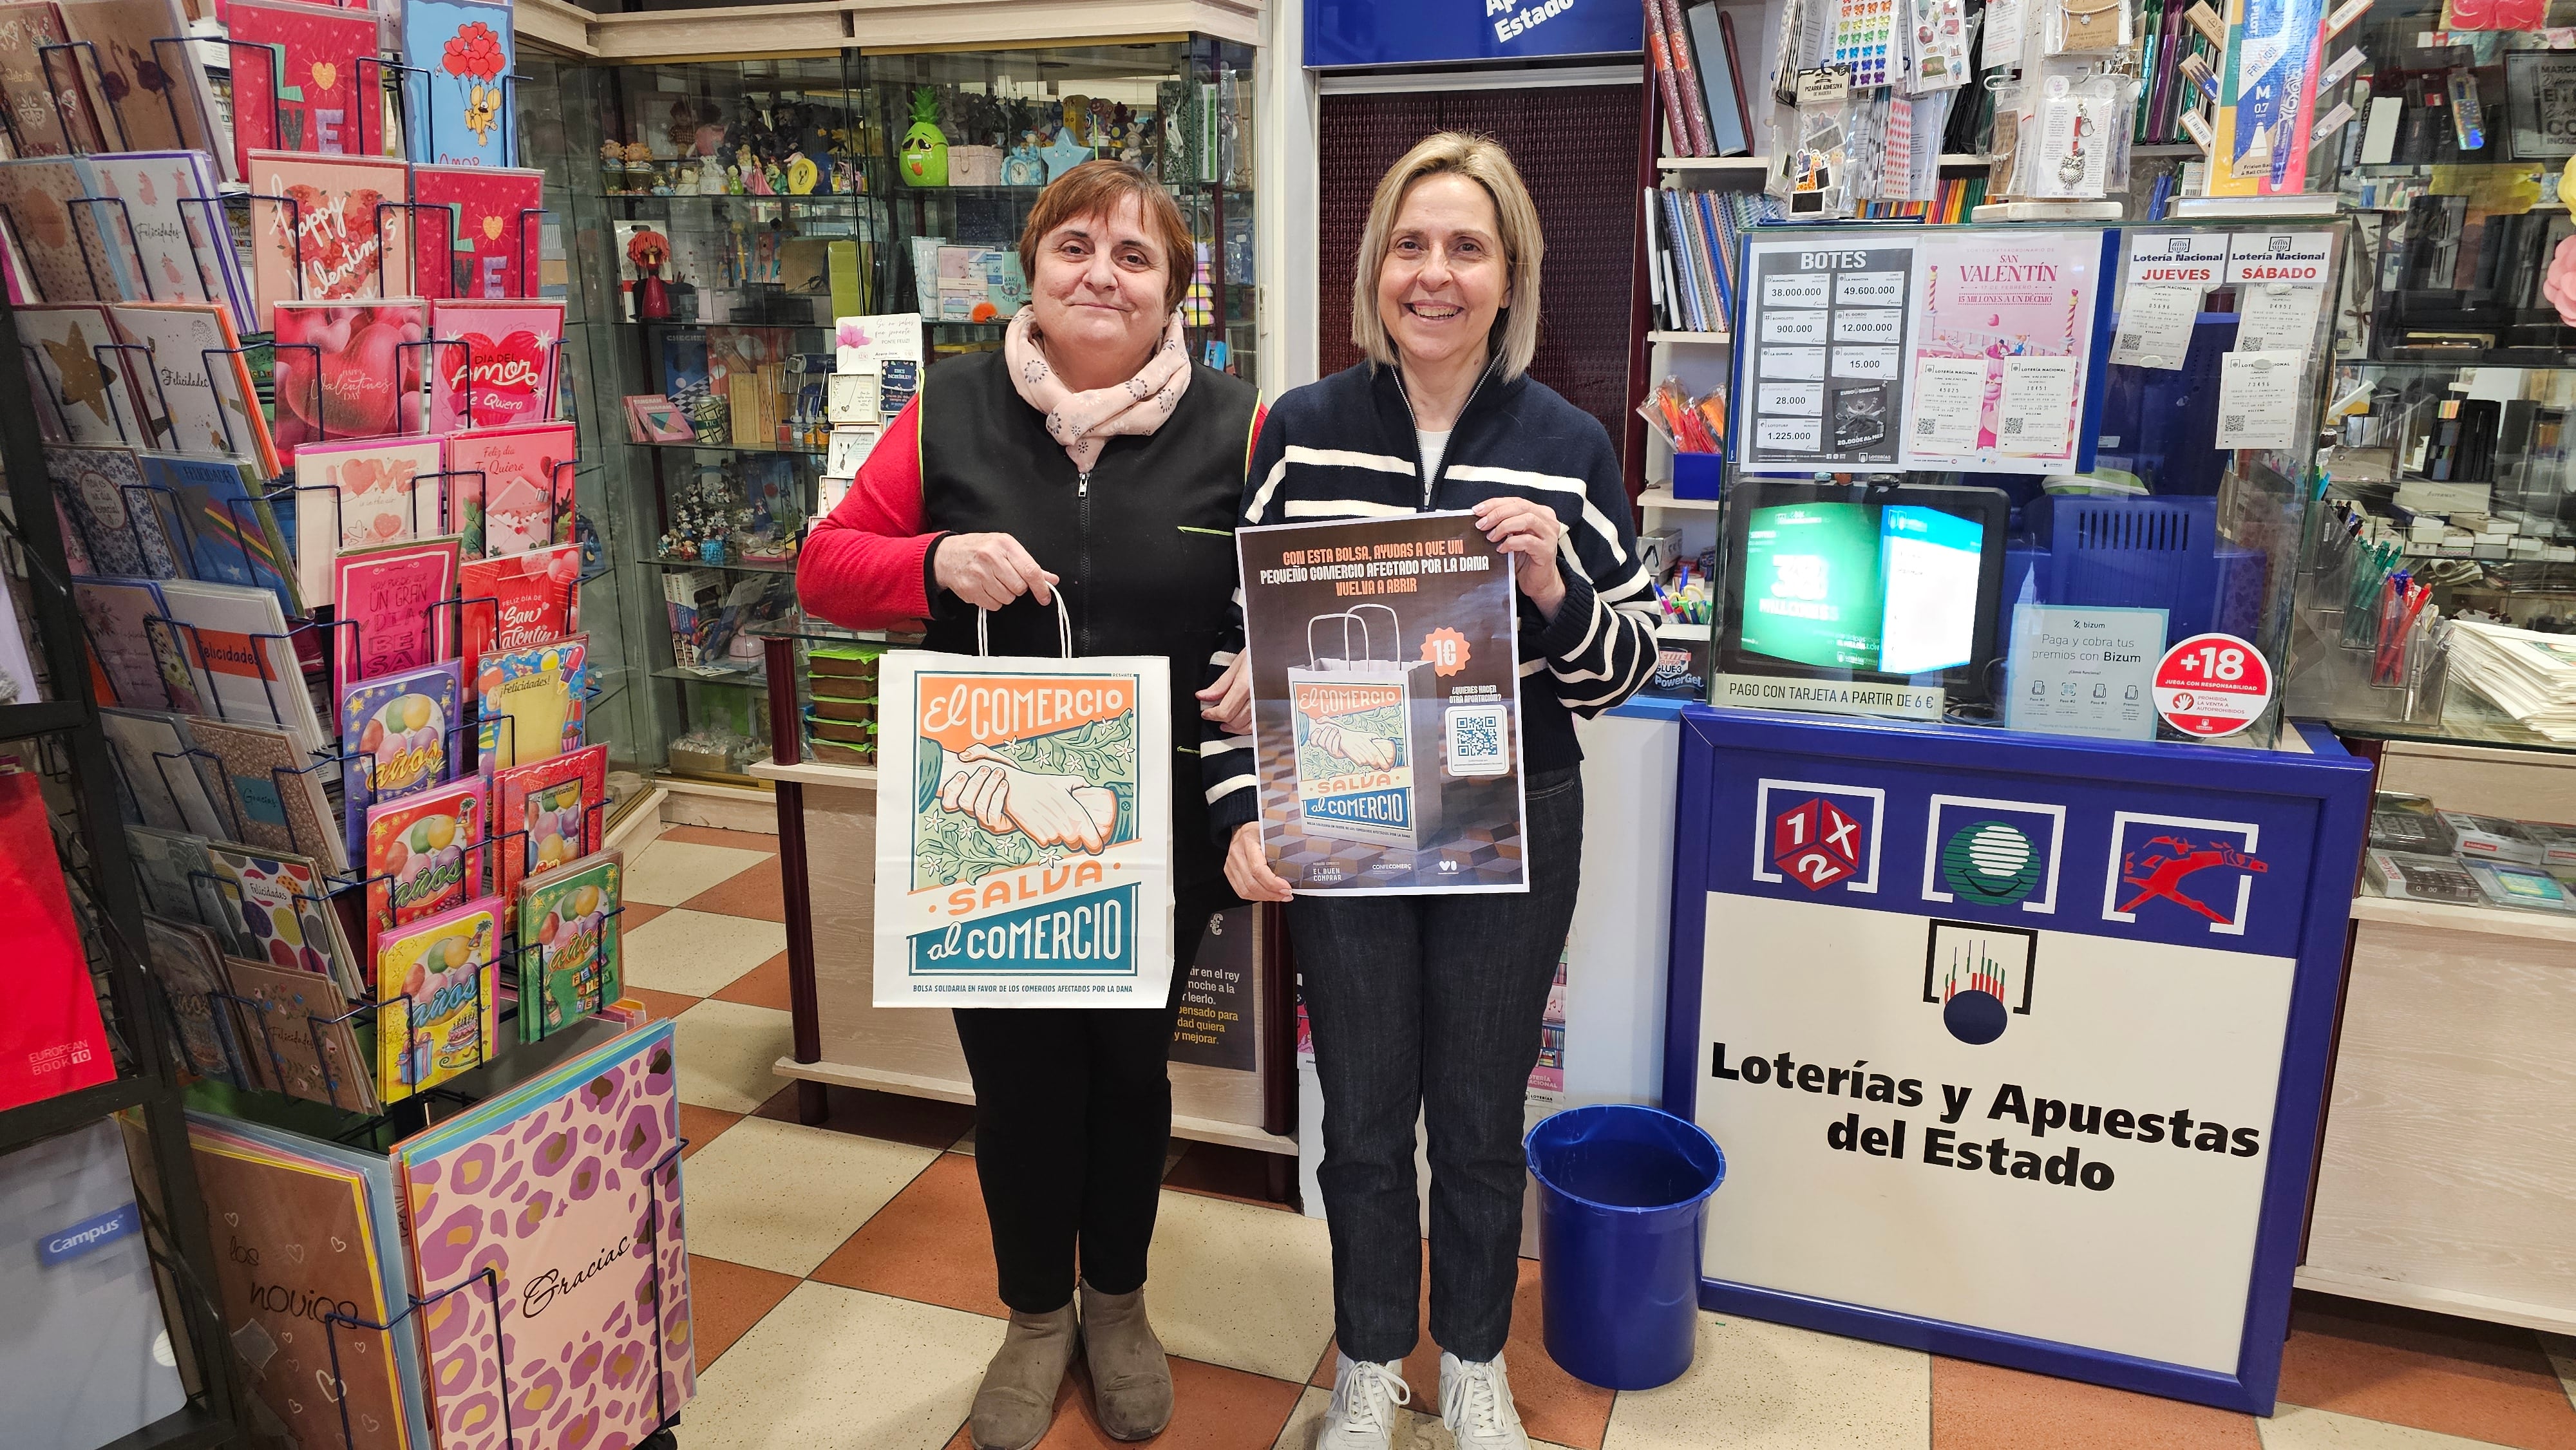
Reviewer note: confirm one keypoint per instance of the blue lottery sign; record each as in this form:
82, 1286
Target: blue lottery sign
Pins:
1370, 32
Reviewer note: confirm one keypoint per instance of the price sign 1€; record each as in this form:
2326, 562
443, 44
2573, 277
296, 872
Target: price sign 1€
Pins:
2212, 685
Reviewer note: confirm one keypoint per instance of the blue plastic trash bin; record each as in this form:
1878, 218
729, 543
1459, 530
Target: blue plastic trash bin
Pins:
1622, 1191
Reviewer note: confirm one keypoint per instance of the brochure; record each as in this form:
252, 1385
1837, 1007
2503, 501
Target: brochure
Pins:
1386, 704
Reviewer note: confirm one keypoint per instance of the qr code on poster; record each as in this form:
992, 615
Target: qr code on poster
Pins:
2235, 423
2012, 426
1479, 739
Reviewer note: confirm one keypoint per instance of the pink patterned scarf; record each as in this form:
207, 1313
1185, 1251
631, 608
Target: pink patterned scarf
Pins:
1082, 422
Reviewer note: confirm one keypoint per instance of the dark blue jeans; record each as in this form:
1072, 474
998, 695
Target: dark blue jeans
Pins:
1432, 1004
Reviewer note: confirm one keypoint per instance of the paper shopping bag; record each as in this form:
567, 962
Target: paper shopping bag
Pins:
1363, 727
1024, 831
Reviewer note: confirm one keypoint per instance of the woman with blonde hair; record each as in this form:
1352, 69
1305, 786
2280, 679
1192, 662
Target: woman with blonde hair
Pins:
1431, 1004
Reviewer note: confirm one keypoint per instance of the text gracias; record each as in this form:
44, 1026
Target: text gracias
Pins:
1943, 1147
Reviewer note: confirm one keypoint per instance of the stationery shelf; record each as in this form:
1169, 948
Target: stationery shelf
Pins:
1664, 499
1690, 339
735, 566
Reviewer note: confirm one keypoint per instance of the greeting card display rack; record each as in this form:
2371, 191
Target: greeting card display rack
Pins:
63, 733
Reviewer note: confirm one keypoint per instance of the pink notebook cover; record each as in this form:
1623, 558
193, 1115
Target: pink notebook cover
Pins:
503, 374
315, 105
395, 598
524, 498
335, 213
489, 241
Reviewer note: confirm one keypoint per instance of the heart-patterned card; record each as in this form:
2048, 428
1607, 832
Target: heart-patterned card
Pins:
348, 370
293, 1243
315, 84
493, 364
320, 228
488, 237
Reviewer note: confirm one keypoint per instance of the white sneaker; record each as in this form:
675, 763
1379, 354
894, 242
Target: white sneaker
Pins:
1476, 1405
1364, 1408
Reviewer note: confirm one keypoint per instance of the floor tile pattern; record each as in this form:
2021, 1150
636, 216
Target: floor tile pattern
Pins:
844, 1286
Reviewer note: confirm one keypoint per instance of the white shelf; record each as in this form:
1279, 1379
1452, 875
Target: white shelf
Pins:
1690, 339
1662, 498
1714, 163
1675, 629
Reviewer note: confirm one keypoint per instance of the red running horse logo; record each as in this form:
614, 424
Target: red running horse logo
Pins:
2158, 870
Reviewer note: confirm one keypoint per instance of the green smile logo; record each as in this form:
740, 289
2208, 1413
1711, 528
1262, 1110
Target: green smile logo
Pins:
1990, 862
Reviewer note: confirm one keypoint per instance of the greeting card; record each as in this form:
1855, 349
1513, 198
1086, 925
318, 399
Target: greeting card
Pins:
235, 638
186, 248
51, 1038
493, 363
533, 1186
440, 997
344, 370
568, 963
404, 732
229, 532
168, 865
80, 377
327, 241
49, 108
135, 659
300, 1038
156, 92
531, 702
519, 599
488, 239
272, 802
104, 496
316, 50
513, 487
424, 854
464, 117
198, 381
189, 964
172, 789
58, 252
359, 495
550, 812
292, 1234
393, 596
274, 908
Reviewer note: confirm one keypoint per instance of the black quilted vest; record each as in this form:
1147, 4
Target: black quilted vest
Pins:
1145, 549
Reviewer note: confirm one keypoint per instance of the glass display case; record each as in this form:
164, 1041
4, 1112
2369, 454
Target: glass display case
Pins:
723, 215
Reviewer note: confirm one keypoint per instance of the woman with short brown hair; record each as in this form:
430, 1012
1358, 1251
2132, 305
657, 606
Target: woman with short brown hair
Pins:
1087, 464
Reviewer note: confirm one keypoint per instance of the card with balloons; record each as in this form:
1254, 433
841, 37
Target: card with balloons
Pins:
530, 703
560, 804
569, 965
401, 735
437, 994
424, 855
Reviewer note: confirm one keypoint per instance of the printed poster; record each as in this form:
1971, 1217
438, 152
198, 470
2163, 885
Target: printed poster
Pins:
2004, 333
1828, 343
1033, 868
1385, 704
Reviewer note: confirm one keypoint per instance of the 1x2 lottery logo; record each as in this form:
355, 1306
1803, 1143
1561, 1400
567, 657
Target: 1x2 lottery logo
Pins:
2172, 870
1994, 853
1817, 834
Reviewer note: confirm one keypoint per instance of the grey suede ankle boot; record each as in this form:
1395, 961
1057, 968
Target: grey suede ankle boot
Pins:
1016, 1402
1131, 1381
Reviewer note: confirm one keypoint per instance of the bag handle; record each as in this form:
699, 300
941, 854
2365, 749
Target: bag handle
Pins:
1348, 619
1063, 628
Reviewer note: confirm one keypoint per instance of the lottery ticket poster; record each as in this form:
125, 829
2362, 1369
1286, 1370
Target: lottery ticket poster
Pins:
2004, 373
1385, 705
1825, 364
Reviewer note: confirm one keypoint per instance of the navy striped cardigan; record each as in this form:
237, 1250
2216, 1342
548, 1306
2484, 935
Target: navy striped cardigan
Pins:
1344, 447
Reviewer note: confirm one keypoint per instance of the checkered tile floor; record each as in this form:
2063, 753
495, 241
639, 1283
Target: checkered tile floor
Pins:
844, 1284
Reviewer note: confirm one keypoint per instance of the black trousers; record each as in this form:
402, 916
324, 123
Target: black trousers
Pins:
1073, 1114
1433, 1005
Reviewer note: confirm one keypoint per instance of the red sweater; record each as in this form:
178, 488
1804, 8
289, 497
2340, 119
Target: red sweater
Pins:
863, 564
866, 564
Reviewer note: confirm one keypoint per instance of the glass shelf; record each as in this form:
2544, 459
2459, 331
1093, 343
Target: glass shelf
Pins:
730, 679
738, 566
694, 447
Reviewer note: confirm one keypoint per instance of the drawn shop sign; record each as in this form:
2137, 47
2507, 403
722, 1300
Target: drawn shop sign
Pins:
1372, 32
